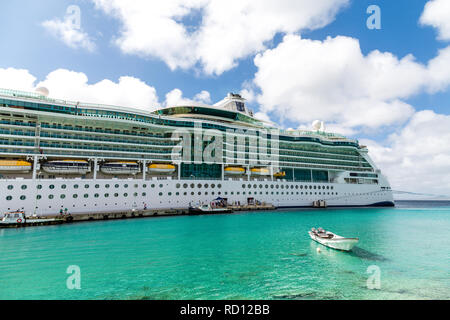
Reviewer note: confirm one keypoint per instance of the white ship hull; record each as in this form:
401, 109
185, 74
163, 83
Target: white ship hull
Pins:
100, 195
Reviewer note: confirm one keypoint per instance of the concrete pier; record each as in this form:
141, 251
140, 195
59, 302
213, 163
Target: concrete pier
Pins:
130, 214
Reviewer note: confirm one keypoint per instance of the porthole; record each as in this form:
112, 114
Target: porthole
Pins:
63, 186
125, 186
50, 196
213, 185
219, 186
116, 195
125, 195
152, 185
170, 193
86, 186
160, 194
10, 187
135, 194
75, 196
39, 186
107, 186
144, 194
206, 185
136, 185
63, 196
199, 185
38, 197
96, 195
8, 198
106, 195
185, 185
86, 195
52, 186
24, 186
160, 185
192, 185
144, 185
23, 197
116, 186
178, 186
75, 186
97, 186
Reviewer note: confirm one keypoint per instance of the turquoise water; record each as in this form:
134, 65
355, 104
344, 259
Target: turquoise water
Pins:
260, 255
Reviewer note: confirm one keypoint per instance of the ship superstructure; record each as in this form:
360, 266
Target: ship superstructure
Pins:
60, 155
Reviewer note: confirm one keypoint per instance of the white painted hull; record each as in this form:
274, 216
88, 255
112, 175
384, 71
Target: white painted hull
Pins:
128, 194
339, 243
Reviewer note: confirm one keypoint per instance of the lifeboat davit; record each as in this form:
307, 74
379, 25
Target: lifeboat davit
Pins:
14, 166
234, 170
66, 166
260, 171
120, 167
161, 168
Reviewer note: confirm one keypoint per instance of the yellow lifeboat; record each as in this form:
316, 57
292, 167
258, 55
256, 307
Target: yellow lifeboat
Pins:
161, 168
67, 166
280, 174
14, 166
234, 170
260, 171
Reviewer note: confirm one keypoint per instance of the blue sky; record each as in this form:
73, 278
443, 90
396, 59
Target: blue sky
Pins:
27, 44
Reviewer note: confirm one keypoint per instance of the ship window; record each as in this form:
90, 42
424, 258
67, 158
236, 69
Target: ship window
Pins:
206, 185
213, 185
52, 186
136, 185
10, 187
116, 186
75, 196
86, 186
125, 195
97, 186
75, 186
135, 194
38, 197
86, 195
199, 185
106, 186
63, 186
8, 198
178, 186
219, 186
170, 193
24, 187
160, 194
116, 195
185, 185
39, 186
106, 195
192, 185
160, 185
192, 193
96, 195
144, 185
152, 185
62, 196
144, 194
50, 196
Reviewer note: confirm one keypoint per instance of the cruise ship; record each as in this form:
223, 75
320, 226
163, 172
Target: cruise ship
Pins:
58, 155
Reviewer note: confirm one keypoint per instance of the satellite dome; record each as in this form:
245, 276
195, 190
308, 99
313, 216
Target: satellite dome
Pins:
316, 125
42, 91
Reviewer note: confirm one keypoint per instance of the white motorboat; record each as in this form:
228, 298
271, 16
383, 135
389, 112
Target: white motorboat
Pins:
19, 219
331, 240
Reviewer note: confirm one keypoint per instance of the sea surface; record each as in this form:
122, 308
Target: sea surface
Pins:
256, 255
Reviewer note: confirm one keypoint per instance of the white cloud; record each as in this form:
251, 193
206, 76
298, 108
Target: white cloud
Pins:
417, 159
302, 80
175, 98
69, 33
437, 15
212, 34
69, 85
16, 79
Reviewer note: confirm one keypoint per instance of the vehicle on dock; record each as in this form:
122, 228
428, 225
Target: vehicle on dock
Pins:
19, 219
331, 240
208, 209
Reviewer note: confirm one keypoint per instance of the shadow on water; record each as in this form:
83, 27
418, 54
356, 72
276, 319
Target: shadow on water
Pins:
366, 255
